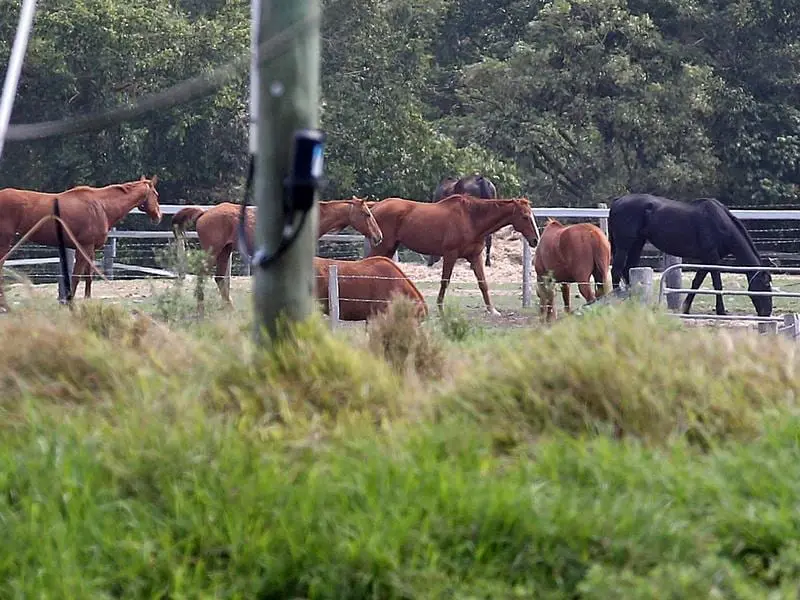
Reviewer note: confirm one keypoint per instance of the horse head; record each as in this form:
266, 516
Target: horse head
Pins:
524, 221
761, 281
361, 215
149, 203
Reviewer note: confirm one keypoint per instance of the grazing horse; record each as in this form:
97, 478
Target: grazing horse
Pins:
571, 254
453, 228
366, 287
703, 231
217, 229
473, 185
88, 212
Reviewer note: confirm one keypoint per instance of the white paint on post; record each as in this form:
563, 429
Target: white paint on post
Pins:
255, 11
15, 61
642, 284
526, 274
791, 326
603, 220
674, 280
333, 294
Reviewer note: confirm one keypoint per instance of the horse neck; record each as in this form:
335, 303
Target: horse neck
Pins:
744, 252
334, 215
120, 200
491, 215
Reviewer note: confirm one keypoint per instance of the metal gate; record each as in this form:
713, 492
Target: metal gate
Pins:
788, 324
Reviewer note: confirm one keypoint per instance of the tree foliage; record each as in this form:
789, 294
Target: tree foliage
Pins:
568, 101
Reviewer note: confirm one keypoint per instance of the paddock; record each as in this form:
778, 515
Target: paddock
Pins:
131, 260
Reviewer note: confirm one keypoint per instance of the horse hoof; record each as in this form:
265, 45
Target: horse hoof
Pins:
494, 312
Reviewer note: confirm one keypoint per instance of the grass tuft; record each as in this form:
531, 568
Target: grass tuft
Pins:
405, 343
630, 371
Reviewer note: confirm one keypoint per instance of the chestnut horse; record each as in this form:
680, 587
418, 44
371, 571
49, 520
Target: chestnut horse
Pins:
454, 227
366, 287
571, 254
474, 185
89, 212
217, 229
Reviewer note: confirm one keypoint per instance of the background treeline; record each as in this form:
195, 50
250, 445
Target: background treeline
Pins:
570, 102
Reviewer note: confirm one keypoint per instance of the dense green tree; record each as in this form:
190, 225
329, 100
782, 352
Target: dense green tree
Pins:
567, 101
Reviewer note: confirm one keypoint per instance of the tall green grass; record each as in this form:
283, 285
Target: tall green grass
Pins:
614, 455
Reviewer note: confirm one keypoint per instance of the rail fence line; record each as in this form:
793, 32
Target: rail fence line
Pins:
109, 265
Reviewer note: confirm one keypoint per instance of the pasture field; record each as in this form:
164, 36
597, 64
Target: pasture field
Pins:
148, 453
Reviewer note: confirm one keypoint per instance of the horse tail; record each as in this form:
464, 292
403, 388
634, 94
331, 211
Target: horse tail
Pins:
180, 221
184, 218
602, 259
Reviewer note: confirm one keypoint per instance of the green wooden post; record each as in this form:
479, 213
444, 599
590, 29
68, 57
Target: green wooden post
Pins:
288, 99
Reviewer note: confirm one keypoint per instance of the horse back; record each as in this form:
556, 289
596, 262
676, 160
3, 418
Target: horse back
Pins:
366, 286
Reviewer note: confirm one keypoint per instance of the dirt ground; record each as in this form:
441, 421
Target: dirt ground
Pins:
504, 278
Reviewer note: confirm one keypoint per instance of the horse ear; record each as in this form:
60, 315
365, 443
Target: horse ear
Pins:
154, 180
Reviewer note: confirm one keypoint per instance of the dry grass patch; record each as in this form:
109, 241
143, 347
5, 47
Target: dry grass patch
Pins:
629, 371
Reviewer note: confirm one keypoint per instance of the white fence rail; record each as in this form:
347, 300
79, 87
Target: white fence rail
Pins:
672, 270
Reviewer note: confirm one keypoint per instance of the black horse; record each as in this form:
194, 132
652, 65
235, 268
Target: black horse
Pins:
703, 231
473, 185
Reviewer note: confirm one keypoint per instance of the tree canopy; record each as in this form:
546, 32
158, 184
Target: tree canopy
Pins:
570, 102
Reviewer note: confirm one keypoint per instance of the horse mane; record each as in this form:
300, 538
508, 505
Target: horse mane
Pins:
121, 187
740, 226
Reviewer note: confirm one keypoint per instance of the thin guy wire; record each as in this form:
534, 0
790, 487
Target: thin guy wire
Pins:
186, 91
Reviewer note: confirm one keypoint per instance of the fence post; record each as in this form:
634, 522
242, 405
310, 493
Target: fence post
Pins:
642, 284
366, 247
765, 327
526, 273
603, 220
62, 286
791, 325
674, 279
333, 294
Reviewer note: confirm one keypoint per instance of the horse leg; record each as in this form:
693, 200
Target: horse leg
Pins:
632, 259
618, 264
477, 268
3, 303
87, 286
221, 274
447, 272
565, 297
586, 290
77, 273
488, 244
696, 282
716, 280
547, 300
599, 285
